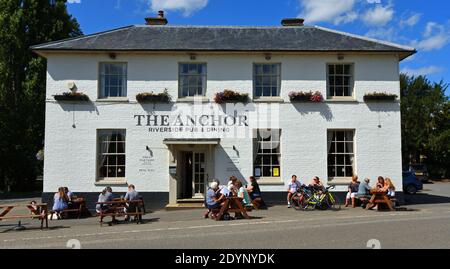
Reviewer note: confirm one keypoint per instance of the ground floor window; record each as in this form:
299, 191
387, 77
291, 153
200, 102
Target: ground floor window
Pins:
266, 153
111, 154
341, 156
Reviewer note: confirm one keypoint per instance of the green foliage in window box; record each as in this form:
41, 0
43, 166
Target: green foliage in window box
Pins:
72, 96
229, 96
315, 97
150, 97
379, 96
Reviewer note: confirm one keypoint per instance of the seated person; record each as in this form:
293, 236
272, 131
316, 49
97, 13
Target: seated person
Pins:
231, 185
212, 202
131, 195
242, 193
352, 191
60, 202
364, 192
390, 188
380, 186
255, 193
316, 184
293, 186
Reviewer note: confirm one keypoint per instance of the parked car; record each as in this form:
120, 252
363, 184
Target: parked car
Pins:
420, 170
411, 184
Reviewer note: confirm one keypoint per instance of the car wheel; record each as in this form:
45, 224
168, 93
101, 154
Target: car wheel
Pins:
411, 189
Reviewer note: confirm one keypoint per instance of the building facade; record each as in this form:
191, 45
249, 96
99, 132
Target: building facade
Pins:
171, 150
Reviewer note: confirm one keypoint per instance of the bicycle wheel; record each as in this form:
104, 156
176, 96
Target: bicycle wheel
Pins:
297, 200
333, 202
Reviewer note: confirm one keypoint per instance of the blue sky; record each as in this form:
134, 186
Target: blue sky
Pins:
424, 25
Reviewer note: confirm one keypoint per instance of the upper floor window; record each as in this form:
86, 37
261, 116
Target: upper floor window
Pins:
192, 79
113, 80
111, 154
266, 80
340, 80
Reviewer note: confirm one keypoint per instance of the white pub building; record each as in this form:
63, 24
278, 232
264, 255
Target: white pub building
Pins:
307, 100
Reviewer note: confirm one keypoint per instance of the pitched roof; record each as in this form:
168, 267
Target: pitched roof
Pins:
223, 38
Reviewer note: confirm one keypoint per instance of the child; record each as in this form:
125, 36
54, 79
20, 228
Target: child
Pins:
293, 186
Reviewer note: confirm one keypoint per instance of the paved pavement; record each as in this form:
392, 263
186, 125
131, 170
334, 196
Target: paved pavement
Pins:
423, 223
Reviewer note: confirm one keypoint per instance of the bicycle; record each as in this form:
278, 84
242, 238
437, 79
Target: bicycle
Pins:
310, 199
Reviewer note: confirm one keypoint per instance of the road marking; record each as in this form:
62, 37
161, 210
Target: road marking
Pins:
305, 221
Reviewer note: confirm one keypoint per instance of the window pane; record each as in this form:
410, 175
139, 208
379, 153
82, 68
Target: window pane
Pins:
331, 69
339, 91
348, 171
340, 171
339, 81
331, 81
347, 69
339, 69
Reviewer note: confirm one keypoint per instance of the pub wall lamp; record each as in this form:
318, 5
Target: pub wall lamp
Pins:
268, 56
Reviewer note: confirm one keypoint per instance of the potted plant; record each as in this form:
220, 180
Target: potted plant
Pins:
379, 96
150, 97
72, 96
229, 96
315, 97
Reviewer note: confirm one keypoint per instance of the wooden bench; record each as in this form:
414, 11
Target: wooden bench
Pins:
77, 205
38, 212
117, 209
381, 198
232, 205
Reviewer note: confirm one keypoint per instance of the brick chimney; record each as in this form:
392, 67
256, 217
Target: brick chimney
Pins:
292, 22
160, 20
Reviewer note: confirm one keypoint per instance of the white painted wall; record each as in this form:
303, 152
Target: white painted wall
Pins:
70, 153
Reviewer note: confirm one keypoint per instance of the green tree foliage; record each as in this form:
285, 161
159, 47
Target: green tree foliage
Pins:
24, 23
425, 124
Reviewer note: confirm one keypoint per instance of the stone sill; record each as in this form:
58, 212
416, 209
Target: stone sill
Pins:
270, 181
341, 100
113, 100
201, 99
342, 181
111, 183
268, 100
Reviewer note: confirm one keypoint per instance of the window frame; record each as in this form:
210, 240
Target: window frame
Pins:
268, 179
180, 90
99, 154
351, 85
278, 84
100, 86
345, 178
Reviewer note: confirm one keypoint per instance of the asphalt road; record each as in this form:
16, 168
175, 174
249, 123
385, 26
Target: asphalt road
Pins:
423, 223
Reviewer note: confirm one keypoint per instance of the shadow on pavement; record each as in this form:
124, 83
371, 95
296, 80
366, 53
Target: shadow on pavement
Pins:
423, 198
37, 229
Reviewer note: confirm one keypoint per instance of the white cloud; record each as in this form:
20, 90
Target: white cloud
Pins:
388, 34
347, 18
328, 10
435, 37
74, 1
185, 6
423, 71
411, 20
379, 15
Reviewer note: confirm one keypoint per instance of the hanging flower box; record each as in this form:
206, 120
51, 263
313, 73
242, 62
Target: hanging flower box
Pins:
376, 97
72, 96
229, 96
315, 97
150, 97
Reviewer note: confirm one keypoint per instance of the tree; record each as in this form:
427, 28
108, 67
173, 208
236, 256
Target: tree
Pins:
24, 23
425, 123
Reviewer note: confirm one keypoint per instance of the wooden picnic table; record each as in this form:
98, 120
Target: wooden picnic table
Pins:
116, 208
233, 205
40, 212
380, 197
77, 205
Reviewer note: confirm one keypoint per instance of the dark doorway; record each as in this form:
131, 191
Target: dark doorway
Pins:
186, 180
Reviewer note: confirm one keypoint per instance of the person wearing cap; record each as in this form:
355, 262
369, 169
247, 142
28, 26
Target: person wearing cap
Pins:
212, 203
